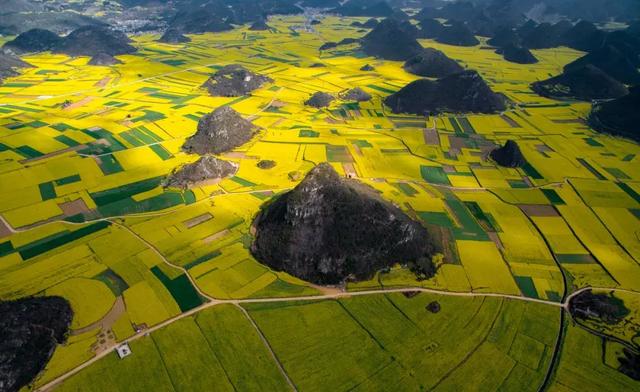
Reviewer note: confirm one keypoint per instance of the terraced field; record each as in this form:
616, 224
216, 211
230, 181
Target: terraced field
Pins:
84, 215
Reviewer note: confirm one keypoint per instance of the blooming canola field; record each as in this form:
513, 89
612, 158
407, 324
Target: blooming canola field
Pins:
84, 215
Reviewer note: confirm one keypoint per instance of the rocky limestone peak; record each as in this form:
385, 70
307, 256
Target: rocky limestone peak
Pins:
219, 131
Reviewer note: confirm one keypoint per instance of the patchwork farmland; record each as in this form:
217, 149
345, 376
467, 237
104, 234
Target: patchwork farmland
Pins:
84, 214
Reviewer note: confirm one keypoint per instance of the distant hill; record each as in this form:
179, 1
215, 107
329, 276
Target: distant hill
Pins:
92, 40
585, 83
58, 22
364, 8
85, 41
33, 41
390, 42
463, 92
619, 117
173, 36
611, 60
457, 34
546, 35
517, 54
504, 36
432, 63
430, 28
259, 25
584, 36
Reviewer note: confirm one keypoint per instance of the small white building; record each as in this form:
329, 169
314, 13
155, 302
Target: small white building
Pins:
123, 350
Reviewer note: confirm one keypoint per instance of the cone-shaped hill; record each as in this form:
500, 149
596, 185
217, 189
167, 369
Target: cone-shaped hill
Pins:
33, 41
234, 81
584, 83
463, 92
91, 40
432, 63
219, 131
174, 36
508, 155
259, 25
329, 229
517, 54
204, 169
389, 41
356, 94
546, 35
583, 36
364, 8
104, 59
319, 100
618, 117
457, 34
611, 60
430, 28
30, 329
504, 36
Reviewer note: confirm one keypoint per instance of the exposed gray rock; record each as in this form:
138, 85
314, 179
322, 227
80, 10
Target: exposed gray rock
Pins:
329, 229
356, 94
234, 81
30, 330
219, 131
206, 168
320, 100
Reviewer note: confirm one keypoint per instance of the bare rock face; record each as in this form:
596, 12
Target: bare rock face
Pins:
432, 63
104, 59
219, 131
174, 36
320, 100
508, 155
234, 81
30, 329
329, 229
357, 94
463, 92
204, 169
